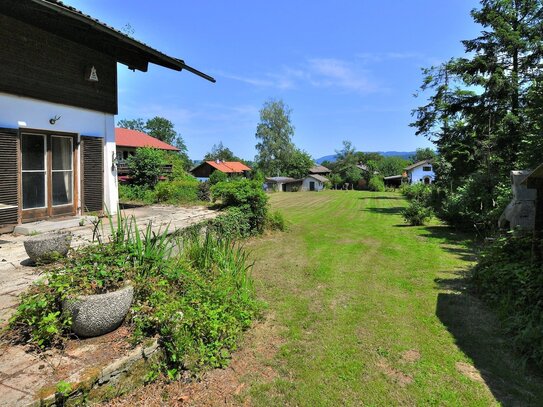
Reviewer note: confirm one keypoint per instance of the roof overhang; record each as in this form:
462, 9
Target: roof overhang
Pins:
69, 23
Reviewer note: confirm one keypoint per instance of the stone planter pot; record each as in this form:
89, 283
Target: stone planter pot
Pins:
95, 315
48, 247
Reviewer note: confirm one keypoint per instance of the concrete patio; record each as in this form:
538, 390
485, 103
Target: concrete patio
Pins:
22, 374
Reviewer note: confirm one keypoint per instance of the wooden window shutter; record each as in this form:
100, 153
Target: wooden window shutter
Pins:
9, 177
92, 173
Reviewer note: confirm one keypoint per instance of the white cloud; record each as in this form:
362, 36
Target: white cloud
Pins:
316, 72
335, 73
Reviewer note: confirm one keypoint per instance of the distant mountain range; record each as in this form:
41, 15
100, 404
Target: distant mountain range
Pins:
403, 154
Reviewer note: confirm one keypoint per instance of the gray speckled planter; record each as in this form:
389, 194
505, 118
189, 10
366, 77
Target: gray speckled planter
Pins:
95, 315
48, 246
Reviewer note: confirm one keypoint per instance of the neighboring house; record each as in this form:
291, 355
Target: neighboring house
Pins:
312, 182
58, 99
420, 172
127, 141
320, 170
283, 184
206, 168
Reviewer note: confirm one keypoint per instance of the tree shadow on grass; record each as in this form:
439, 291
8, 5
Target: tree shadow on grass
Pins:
394, 210
477, 332
463, 245
395, 198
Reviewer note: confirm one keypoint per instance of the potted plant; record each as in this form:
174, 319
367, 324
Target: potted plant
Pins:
47, 247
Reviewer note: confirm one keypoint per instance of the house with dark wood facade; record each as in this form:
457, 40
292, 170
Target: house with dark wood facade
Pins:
58, 99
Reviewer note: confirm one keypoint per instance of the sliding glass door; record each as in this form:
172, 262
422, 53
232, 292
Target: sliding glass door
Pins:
34, 170
47, 175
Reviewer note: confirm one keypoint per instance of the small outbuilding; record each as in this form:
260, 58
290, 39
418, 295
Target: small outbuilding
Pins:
394, 181
314, 182
206, 168
283, 184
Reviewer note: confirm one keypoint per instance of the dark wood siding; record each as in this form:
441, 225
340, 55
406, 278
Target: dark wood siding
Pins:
92, 173
9, 178
44, 66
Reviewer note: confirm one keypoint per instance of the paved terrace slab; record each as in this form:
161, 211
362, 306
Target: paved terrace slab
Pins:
22, 373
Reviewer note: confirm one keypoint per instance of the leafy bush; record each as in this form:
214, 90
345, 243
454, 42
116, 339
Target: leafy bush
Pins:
176, 192
204, 191
136, 193
146, 166
506, 278
199, 305
475, 204
247, 195
419, 191
376, 184
216, 177
233, 223
275, 221
416, 213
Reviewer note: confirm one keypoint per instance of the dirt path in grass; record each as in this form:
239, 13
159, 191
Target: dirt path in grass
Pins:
362, 310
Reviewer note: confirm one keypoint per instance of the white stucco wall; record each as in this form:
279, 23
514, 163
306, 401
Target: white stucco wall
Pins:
319, 186
417, 174
21, 112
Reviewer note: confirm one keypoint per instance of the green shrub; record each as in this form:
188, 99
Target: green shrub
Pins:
200, 306
146, 166
137, 194
419, 191
176, 192
416, 213
216, 177
275, 221
477, 203
204, 191
179, 166
506, 279
247, 195
376, 183
233, 223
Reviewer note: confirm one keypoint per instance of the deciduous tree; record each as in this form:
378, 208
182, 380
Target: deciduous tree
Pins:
274, 133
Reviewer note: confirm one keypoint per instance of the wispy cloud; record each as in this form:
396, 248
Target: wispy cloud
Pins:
316, 72
375, 57
268, 80
336, 73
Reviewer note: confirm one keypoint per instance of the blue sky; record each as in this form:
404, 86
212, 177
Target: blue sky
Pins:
348, 69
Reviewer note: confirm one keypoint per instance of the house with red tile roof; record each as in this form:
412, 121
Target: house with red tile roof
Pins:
128, 141
206, 168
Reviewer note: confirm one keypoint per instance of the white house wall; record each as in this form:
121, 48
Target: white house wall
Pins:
418, 175
21, 112
319, 186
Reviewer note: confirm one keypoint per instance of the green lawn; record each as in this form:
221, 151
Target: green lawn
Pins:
368, 311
